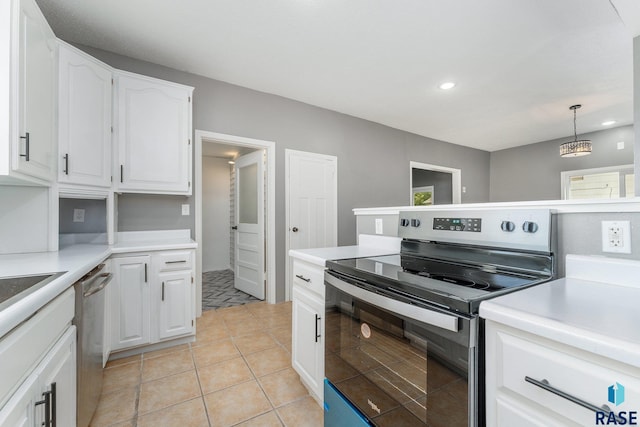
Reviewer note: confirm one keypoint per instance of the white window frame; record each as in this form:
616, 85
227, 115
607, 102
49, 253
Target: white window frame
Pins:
566, 176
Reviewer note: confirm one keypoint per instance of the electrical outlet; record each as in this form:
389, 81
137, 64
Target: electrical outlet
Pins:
78, 215
185, 209
378, 225
616, 236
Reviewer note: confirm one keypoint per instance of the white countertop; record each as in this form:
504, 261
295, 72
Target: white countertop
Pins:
76, 260
597, 317
369, 245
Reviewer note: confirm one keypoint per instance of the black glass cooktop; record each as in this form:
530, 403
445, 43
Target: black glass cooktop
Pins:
436, 281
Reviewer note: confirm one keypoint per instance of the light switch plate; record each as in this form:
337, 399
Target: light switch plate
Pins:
185, 209
378, 225
78, 215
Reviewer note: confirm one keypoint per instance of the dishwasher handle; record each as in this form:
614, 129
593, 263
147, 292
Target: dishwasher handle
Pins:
107, 278
92, 275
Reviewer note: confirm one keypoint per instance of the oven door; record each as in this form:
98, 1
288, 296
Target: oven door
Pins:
398, 363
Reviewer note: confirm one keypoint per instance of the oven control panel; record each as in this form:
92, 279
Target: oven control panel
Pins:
526, 229
458, 224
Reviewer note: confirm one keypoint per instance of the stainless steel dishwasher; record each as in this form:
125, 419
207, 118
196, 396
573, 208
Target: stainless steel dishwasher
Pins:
89, 321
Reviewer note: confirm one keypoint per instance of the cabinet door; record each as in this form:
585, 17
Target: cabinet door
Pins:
308, 338
154, 136
20, 409
33, 143
84, 134
175, 299
130, 302
57, 375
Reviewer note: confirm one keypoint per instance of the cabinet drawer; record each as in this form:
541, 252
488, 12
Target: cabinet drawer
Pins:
569, 370
308, 276
173, 260
23, 347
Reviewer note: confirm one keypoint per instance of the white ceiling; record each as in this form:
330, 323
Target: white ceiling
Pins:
519, 65
224, 151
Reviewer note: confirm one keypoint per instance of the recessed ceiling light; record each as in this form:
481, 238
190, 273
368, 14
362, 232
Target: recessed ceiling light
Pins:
608, 123
447, 85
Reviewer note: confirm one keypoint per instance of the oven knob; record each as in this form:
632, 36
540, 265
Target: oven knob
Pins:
530, 227
415, 222
507, 226
404, 222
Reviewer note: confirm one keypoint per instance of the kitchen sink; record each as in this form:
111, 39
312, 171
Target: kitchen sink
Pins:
13, 289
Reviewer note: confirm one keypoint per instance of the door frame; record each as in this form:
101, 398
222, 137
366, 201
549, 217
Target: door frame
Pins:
287, 192
456, 180
270, 205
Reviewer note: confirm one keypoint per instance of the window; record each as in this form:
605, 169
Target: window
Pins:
600, 183
423, 196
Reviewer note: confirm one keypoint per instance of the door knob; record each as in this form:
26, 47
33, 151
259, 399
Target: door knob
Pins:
235, 227
294, 229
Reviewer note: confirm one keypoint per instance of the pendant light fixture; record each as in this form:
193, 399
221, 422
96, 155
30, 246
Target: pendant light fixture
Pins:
575, 148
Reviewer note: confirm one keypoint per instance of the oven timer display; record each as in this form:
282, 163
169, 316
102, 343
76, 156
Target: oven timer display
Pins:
458, 224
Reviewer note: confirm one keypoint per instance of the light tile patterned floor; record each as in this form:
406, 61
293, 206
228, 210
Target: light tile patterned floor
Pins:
237, 373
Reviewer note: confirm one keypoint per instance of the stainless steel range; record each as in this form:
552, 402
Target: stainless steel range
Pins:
403, 337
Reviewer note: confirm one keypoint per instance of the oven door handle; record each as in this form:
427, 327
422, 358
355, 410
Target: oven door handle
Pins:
424, 315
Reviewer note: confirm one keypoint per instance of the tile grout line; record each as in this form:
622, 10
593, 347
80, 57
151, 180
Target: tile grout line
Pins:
204, 403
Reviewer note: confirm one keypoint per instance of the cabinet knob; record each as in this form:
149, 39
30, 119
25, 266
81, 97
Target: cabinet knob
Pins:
294, 229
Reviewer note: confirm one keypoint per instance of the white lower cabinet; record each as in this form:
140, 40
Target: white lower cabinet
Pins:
307, 347
534, 381
175, 307
130, 302
45, 386
148, 303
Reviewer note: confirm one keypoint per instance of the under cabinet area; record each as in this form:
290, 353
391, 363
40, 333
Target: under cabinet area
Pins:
307, 347
152, 299
153, 131
29, 144
84, 130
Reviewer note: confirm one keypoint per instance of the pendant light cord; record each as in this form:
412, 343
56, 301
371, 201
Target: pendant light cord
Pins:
575, 132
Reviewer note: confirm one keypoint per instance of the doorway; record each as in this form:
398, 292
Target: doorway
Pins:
434, 185
232, 254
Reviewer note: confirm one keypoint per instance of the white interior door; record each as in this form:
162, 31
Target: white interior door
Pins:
249, 218
312, 206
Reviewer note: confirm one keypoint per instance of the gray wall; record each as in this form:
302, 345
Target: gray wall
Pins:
532, 172
441, 181
373, 160
95, 216
142, 212
636, 108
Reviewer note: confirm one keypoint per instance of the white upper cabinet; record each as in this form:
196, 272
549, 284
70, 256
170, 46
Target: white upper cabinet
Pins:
84, 132
30, 86
153, 130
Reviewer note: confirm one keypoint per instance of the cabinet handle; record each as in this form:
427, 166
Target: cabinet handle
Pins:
145, 272
317, 328
121, 173
175, 262
301, 277
544, 384
49, 402
66, 164
162, 291
26, 146
54, 415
